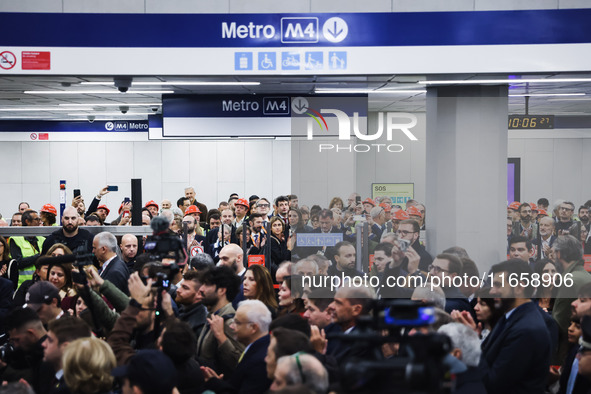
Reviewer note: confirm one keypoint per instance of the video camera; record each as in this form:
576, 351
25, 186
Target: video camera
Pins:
7, 350
417, 368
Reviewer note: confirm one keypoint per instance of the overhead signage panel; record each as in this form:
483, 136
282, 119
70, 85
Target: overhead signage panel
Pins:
567, 26
296, 44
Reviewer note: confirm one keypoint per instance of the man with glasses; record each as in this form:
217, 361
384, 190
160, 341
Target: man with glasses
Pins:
410, 231
251, 327
565, 224
263, 206
445, 268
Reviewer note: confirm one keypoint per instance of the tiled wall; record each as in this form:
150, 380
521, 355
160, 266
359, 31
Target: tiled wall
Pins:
32, 170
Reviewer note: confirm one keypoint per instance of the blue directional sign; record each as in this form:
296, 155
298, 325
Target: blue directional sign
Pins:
337, 60
299, 30
243, 61
318, 239
267, 61
290, 61
313, 61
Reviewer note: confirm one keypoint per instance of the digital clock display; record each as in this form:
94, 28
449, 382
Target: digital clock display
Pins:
531, 121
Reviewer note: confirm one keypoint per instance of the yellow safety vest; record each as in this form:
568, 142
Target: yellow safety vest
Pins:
27, 250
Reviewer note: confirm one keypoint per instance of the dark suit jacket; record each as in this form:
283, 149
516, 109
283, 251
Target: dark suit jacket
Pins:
517, 360
250, 376
117, 273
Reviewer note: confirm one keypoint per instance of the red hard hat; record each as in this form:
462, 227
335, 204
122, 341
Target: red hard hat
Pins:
103, 206
533, 206
243, 202
401, 215
151, 202
192, 209
386, 207
542, 212
369, 201
48, 208
414, 211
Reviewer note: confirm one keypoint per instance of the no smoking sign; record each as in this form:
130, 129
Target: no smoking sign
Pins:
7, 60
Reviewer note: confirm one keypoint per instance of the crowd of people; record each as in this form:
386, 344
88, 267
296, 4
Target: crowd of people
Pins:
238, 311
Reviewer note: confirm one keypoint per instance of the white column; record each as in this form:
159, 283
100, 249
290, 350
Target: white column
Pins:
466, 171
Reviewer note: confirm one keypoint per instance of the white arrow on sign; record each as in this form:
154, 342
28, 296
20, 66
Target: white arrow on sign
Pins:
299, 105
335, 29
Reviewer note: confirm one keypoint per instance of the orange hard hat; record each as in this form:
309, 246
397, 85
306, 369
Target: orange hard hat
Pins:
533, 206
151, 203
192, 209
105, 208
242, 201
386, 207
369, 201
414, 211
48, 208
401, 215
514, 205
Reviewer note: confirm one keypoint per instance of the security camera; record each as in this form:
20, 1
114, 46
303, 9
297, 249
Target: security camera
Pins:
154, 109
122, 83
123, 109
91, 118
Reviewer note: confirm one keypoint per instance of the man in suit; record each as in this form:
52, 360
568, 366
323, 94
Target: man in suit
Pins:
216, 345
251, 325
59, 335
568, 252
348, 305
378, 216
516, 354
112, 268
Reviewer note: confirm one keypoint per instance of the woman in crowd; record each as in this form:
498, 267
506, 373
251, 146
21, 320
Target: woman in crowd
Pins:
290, 296
60, 275
486, 313
5, 263
87, 364
280, 247
545, 293
258, 285
336, 202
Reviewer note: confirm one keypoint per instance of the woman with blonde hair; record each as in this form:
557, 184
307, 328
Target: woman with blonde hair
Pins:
88, 363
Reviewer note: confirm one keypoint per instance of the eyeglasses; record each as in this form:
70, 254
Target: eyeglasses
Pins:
566, 209
263, 205
436, 269
404, 232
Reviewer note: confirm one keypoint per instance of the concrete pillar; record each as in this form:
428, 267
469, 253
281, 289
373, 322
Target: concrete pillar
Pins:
466, 171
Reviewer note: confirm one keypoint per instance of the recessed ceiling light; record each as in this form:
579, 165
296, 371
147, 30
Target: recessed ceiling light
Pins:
367, 91
503, 81
178, 83
111, 105
65, 92
25, 109
546, 94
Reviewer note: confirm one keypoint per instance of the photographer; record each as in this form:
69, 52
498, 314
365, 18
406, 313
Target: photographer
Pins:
137, 322
21, 359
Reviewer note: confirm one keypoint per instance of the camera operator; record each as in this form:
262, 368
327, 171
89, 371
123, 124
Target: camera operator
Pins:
135, 329
22, 357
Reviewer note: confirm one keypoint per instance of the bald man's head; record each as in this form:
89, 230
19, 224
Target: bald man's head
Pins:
70, 221
128, 247
231, 256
